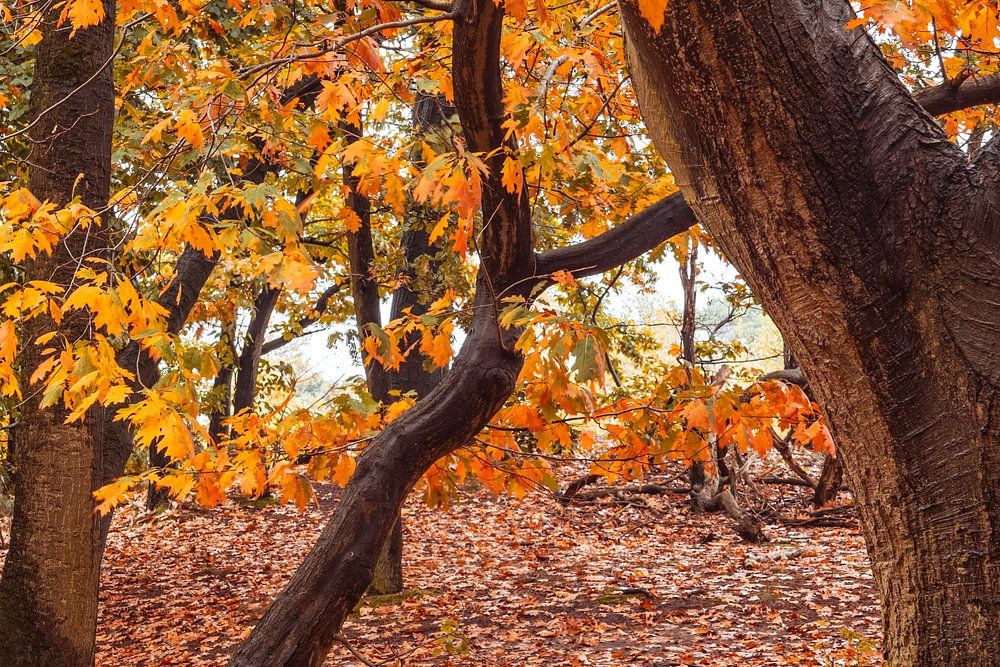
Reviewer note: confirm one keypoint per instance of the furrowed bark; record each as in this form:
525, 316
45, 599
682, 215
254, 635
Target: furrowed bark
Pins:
48, 592
872, 241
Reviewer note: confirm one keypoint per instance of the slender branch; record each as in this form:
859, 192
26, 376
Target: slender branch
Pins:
434, 4
341, 43
321, 305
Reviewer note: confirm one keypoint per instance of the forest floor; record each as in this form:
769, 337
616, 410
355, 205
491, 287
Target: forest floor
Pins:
499, 581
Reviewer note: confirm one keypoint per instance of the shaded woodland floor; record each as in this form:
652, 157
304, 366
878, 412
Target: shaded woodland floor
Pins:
497, 581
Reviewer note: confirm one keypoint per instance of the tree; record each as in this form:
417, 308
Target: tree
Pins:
780, 128
853, 293
300, 626
430, 116
871, 239
48, 593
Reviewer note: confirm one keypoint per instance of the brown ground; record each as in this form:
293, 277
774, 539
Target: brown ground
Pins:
505, 582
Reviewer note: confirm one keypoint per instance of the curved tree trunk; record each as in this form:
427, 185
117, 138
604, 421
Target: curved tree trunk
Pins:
299, 628
872, 240
48, 593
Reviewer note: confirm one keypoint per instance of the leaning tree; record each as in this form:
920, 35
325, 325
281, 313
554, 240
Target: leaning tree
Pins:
868, 234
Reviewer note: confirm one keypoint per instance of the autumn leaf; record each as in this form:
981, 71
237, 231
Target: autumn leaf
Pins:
564, 278
82, 13
188, 128
653, 11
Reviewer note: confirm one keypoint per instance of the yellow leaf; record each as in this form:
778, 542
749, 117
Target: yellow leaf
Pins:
343, 470
351, 220
156, 132
111, 494
512, 175
440, 228
188, 128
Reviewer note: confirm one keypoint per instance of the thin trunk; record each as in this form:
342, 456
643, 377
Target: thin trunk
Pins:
871, 240
48, 593
689, 284
831, 478
248, 363
222, 387
190, 276
689, 308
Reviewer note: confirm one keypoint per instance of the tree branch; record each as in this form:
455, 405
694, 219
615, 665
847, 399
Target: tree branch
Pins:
959, 93
321, 305
505, 239
640, 233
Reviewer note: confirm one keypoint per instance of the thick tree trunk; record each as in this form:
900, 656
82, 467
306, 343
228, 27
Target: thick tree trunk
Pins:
48, 593
872, 241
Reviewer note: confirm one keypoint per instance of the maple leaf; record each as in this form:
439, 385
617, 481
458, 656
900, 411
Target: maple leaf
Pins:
695, 415
188, 128
82, 13
564, 278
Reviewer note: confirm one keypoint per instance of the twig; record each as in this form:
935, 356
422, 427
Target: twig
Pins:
341, 43
343, 640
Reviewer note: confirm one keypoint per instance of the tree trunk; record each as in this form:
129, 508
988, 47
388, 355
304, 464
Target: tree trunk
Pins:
871, 240
48, 593
299, 628
830, 480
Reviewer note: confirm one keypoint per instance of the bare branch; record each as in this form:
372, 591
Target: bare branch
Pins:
321, 305
640, 233
962, 92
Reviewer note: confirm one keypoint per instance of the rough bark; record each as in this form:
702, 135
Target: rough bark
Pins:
48, 593
872, 240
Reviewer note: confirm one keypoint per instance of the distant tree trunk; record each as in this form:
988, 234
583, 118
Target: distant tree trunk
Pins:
48, 593
689, 285
688, 270
872, 240
830, 480
222, 387
248, 363
419, 287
